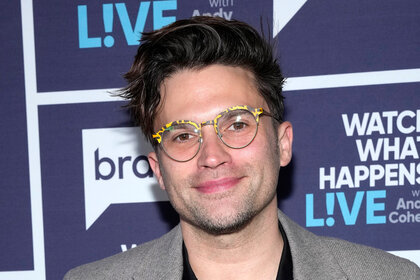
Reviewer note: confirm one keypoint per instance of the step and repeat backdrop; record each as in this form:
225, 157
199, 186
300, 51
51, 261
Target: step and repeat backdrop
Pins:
75, 182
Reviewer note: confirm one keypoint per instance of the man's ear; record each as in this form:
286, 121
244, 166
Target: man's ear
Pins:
285, 139
154, 164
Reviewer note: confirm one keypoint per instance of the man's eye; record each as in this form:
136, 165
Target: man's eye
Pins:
183, 137
237, 126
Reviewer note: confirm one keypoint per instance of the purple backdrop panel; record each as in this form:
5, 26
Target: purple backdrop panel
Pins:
15, 208
328, 37
356, 170
67, 241
90, 44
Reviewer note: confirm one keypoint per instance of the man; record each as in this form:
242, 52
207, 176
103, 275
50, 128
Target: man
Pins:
207, 94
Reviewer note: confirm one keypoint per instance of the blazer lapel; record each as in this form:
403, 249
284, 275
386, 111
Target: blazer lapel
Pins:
164, 258
311, 258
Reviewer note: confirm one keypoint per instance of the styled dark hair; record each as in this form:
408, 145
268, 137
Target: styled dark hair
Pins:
194, 44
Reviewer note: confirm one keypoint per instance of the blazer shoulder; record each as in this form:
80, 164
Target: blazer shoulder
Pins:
364, 262
149, 260
318, 257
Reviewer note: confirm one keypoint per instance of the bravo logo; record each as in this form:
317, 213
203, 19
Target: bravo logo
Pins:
116, 170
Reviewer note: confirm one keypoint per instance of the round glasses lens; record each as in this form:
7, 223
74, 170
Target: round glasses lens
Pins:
181, 141
237, 128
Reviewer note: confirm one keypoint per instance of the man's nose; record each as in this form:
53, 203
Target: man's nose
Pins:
213, 152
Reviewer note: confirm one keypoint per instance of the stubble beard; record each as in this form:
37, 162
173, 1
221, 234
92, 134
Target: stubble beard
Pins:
222, 224
201, 217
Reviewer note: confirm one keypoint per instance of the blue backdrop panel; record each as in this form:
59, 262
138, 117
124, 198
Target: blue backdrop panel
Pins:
15, 215
329, 37
90, 44
67, 242
321, 142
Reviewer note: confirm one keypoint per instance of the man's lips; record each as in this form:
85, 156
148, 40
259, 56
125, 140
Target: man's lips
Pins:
217, 185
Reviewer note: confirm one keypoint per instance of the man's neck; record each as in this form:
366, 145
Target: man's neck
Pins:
254, 252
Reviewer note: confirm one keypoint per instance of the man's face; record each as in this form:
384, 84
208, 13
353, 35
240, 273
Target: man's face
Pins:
221, 189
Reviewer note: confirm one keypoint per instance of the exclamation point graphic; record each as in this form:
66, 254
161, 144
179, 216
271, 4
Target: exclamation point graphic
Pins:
330, 209
108, 23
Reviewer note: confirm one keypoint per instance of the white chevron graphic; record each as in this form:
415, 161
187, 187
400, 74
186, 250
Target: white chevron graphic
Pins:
283, 11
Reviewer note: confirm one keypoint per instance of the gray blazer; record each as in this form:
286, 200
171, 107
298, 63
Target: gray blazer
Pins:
314, 257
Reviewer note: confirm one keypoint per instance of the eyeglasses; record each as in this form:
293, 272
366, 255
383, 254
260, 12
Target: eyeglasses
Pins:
236, 127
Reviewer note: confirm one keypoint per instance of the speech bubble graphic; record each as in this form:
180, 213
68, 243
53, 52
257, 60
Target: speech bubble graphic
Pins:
116, 170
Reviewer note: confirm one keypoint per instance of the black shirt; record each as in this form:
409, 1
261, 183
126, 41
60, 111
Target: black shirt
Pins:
285, 271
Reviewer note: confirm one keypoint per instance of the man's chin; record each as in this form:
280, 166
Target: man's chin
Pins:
225, 226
